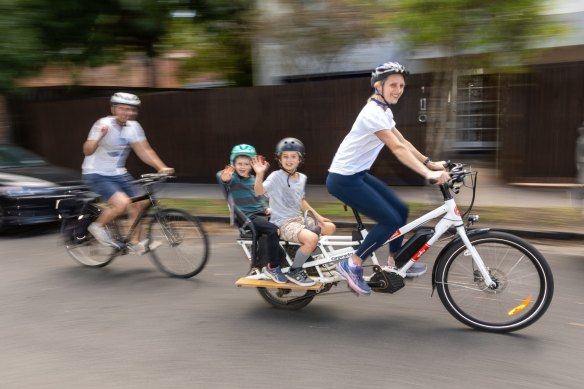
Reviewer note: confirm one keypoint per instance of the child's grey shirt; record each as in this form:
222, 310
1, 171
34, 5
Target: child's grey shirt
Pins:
285, 195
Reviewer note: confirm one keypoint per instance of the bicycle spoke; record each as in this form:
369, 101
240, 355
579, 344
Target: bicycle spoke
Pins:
522, 283
183, 250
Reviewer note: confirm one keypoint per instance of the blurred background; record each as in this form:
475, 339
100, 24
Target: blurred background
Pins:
499, 83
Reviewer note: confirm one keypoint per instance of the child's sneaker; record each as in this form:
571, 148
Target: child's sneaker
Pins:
299, 277
354, 277
275, 274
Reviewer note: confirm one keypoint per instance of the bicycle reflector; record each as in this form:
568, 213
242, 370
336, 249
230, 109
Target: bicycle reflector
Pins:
520, 307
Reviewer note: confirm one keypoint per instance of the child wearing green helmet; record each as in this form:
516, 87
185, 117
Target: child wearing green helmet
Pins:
240, 181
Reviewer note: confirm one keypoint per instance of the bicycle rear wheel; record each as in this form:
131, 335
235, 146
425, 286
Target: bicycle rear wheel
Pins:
282, 298
524, 283
82, 246
184, 245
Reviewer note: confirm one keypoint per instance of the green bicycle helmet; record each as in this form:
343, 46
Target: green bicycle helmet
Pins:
242, 149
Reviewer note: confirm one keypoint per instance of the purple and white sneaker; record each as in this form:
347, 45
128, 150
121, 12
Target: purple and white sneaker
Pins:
354, 277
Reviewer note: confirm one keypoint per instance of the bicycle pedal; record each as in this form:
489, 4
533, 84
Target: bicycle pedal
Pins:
116, 244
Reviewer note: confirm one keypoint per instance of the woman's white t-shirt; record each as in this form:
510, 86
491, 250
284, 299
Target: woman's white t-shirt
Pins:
361, 146
109, 159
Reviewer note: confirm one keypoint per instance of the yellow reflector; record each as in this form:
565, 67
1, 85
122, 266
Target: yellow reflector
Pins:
520, 307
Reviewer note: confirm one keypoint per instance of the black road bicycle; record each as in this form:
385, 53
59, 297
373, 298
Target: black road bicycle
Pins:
180, 240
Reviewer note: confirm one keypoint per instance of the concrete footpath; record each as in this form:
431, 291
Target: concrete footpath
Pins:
490, 193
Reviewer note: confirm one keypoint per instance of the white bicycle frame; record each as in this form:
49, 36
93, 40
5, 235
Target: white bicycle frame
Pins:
328, 251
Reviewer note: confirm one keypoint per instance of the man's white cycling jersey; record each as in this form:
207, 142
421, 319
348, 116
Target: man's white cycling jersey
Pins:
109, 159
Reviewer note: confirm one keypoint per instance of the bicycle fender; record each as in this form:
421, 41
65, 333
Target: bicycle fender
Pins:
453, 242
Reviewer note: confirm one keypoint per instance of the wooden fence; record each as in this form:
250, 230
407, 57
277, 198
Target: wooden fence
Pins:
542, 111
194, 130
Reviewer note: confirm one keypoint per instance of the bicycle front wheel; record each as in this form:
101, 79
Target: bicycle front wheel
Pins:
523, 288
182, 243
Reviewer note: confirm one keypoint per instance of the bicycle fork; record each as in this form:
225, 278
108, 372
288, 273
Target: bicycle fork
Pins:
478, 261
441, 227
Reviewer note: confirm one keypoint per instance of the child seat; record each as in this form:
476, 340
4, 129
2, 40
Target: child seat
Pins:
244, 224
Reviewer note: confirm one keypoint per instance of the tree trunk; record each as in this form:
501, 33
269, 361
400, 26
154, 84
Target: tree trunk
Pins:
5, 135
442, 114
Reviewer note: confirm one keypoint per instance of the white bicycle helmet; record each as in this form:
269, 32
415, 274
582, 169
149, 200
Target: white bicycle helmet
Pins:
125, 98
385, 70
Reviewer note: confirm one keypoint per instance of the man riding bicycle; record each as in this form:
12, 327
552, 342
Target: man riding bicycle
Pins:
106, 149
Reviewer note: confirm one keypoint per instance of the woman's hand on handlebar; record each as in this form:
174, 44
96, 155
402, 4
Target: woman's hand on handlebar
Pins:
438, 177
437, 165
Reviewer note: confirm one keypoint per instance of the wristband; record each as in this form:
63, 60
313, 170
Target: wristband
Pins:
427, 161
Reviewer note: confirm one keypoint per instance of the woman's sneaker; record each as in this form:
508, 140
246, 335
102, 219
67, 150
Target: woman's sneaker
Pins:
354, 277
416, 270
299, 277
275, 274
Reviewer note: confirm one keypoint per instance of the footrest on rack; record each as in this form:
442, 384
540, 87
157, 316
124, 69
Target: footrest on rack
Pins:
253, 283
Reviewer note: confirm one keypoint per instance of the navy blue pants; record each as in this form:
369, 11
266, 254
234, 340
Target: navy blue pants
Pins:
264, 227
373, 198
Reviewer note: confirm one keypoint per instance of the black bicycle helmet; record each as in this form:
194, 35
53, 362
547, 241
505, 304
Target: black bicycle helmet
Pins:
290, 144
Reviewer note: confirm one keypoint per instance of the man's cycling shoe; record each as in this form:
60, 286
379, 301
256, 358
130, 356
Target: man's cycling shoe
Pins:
102, 236
143, 247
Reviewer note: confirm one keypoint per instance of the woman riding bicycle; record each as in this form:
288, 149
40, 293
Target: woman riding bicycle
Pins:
106, 150
349, 179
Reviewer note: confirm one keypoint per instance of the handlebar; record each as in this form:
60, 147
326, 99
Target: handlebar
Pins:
151, 178
457, 173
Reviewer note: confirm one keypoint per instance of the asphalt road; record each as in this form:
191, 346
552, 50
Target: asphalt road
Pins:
129, 326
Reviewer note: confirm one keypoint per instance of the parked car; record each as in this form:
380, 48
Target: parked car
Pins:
30, 187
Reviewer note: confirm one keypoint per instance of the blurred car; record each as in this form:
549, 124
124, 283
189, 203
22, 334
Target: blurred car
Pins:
30, 187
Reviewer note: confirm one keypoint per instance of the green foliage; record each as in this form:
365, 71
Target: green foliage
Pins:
20, 48
318, 31
85, 33
471, 32
96, 32
224, 40
221, 34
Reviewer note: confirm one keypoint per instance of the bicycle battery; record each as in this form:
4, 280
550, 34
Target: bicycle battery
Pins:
413, 244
